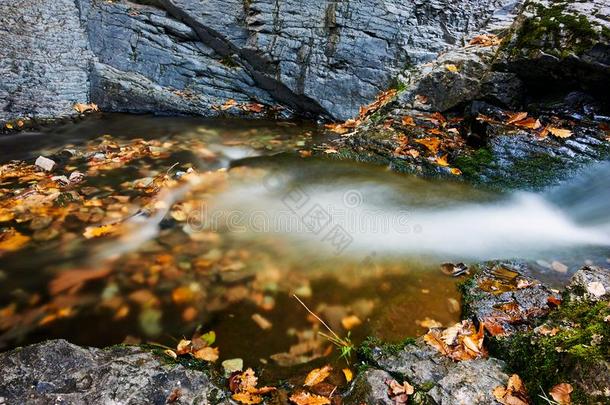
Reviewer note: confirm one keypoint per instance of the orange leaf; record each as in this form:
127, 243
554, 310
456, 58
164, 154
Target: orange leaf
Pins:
305, 398
228, 104
431, 143
247, 398
562, 393
207, 354
408, 121
317, 375
529, 123
516, 117
442, 161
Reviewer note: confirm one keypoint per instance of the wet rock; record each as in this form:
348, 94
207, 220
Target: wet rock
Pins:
186, 56
370, 387
590, 283
60, 372
506, 300
445, 381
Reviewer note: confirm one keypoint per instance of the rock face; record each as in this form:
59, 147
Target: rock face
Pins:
59, 372
44, 58
185, 56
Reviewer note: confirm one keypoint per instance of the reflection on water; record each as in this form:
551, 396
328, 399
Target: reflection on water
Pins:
361, 246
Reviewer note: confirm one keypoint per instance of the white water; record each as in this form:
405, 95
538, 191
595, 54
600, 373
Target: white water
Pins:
383, 218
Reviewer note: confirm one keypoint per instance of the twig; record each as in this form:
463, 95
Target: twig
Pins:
319, 319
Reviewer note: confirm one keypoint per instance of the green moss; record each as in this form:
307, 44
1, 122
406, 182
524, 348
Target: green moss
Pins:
229, 62
365, 350
543, 361
472, 164
555, 31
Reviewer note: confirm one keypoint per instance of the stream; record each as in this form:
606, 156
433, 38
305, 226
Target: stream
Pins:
360, 245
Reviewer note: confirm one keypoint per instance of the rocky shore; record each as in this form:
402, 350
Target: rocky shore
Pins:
544, 336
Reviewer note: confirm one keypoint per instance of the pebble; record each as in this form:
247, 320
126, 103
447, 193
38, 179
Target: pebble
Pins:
45, 163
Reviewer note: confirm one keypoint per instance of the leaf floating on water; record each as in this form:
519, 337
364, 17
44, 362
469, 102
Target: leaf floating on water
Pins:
350, 322
207, 354
305, 398
98, 231
429, 323
12, 240
562, 393
317, 375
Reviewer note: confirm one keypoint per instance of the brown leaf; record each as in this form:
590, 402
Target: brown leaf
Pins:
529, 123
12, 240
83, 108
432, 144
485, 40
317, 375
72, 278
562, 393
228, 104
513, 394
305, 398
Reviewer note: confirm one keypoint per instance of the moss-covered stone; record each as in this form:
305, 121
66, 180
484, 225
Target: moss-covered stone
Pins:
579, 353
556, 31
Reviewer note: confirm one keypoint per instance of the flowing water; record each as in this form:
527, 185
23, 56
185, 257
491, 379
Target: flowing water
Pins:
362, 246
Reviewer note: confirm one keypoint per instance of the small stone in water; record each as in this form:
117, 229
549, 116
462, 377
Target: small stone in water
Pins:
45, 163
559, 267
232, 365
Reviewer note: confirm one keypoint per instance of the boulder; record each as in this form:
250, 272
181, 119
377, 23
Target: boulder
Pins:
59, 372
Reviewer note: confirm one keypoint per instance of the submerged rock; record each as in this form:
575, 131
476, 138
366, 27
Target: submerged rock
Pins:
59, 372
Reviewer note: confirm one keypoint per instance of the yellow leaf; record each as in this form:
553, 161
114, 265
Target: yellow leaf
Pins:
442, 161
12, 240
228, 104
559, 132
97, 231
348, 374
305, 398
317, 375
451, 67
455, 171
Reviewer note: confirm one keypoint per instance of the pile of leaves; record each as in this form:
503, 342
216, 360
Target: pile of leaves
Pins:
462, 341
243, 385
365, 112
199, 346
399, 393
315, 390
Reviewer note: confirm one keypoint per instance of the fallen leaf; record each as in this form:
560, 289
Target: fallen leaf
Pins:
562, 393
350, 322
485, 40
247, 398
451, 67
529, 123
516, 117
228, 104
421, 99
455, 171
305, 398
207, 354
103, 230
559, 132
408, 121
68, 279
513, 394
83, 108
317, 375
429, 323
432, 144
262, 322
348, 374
331, 150
442, 161
12, 240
